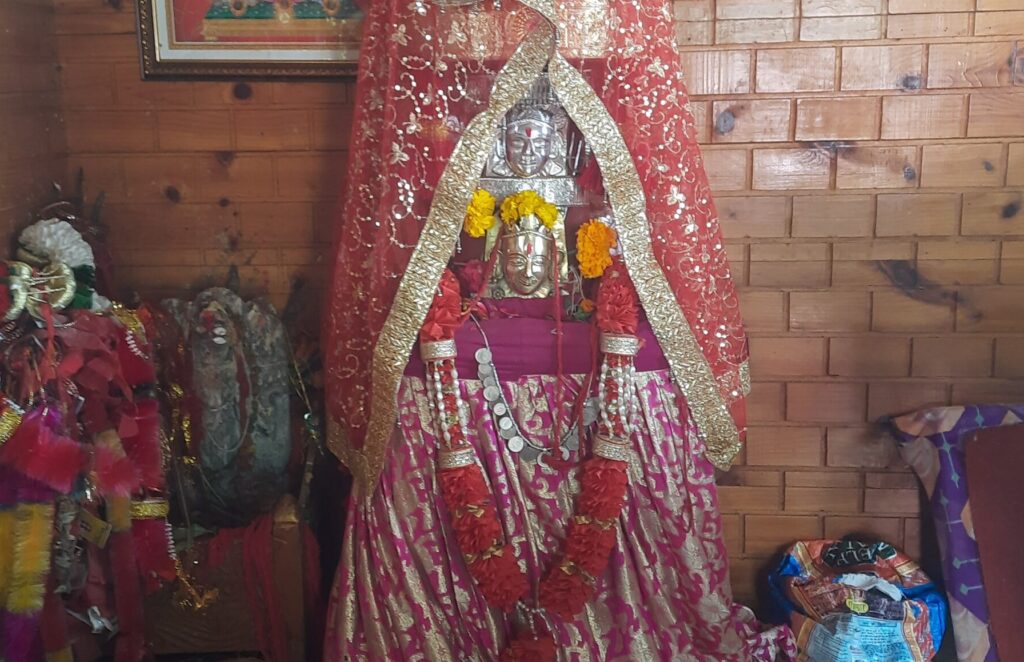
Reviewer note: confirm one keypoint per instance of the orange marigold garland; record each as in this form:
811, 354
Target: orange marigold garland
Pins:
594, 243
571, 583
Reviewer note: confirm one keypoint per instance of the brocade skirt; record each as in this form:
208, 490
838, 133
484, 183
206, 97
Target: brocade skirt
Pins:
403, 592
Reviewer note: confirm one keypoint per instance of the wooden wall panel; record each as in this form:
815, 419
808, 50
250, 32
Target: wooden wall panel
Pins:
868, 161
201, 177
32, 145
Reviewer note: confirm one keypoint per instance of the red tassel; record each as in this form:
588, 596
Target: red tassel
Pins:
35, 451
127, 598
143, 448
113, 471
53, 624
152, 554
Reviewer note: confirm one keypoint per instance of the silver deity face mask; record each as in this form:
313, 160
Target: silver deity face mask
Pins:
528, 142
527, 259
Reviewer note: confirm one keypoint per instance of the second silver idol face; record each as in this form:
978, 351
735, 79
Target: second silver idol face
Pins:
527, 260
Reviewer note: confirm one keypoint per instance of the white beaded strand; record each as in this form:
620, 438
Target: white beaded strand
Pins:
634, 399
601, 391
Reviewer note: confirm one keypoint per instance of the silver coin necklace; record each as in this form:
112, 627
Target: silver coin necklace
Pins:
505, 421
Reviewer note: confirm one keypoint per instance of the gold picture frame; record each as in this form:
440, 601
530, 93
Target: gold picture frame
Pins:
229, 39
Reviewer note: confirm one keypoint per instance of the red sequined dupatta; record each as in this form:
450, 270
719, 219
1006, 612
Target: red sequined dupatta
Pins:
434, 83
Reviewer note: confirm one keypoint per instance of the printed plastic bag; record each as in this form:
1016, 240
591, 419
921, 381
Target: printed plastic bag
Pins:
850, 601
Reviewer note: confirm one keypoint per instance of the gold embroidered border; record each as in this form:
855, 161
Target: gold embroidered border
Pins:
618, 450
617, 343
629, 204
745, 377
429, 258
150, 509
10, 419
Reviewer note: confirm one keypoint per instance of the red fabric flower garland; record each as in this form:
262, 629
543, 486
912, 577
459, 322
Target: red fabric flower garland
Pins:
445, 314
618, 306
491, 559
571, 583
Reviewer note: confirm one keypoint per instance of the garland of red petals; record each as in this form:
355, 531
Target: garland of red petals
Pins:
571, 583
618, 306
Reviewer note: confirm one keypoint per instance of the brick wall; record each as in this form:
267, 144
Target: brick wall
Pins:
868, 157
32, 149
869, 161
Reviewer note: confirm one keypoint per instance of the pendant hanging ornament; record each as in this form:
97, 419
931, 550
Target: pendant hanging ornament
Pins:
505, 423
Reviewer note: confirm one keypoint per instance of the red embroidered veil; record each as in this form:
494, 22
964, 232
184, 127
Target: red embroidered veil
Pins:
435, 80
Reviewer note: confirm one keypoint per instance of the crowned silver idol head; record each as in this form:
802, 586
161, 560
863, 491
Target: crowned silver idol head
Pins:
529, 140
532, 138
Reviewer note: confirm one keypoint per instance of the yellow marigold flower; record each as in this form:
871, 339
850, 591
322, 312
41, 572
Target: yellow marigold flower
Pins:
479, 214
528, 202
548, 214
509, 210
594, 242
482, 202
477, 225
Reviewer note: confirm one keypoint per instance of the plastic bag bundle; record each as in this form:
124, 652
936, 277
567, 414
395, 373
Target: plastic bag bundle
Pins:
851, 601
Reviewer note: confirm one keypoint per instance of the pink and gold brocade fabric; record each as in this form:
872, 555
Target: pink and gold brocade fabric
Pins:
403, 592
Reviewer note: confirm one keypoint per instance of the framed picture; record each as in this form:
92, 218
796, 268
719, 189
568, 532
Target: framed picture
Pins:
258, 38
